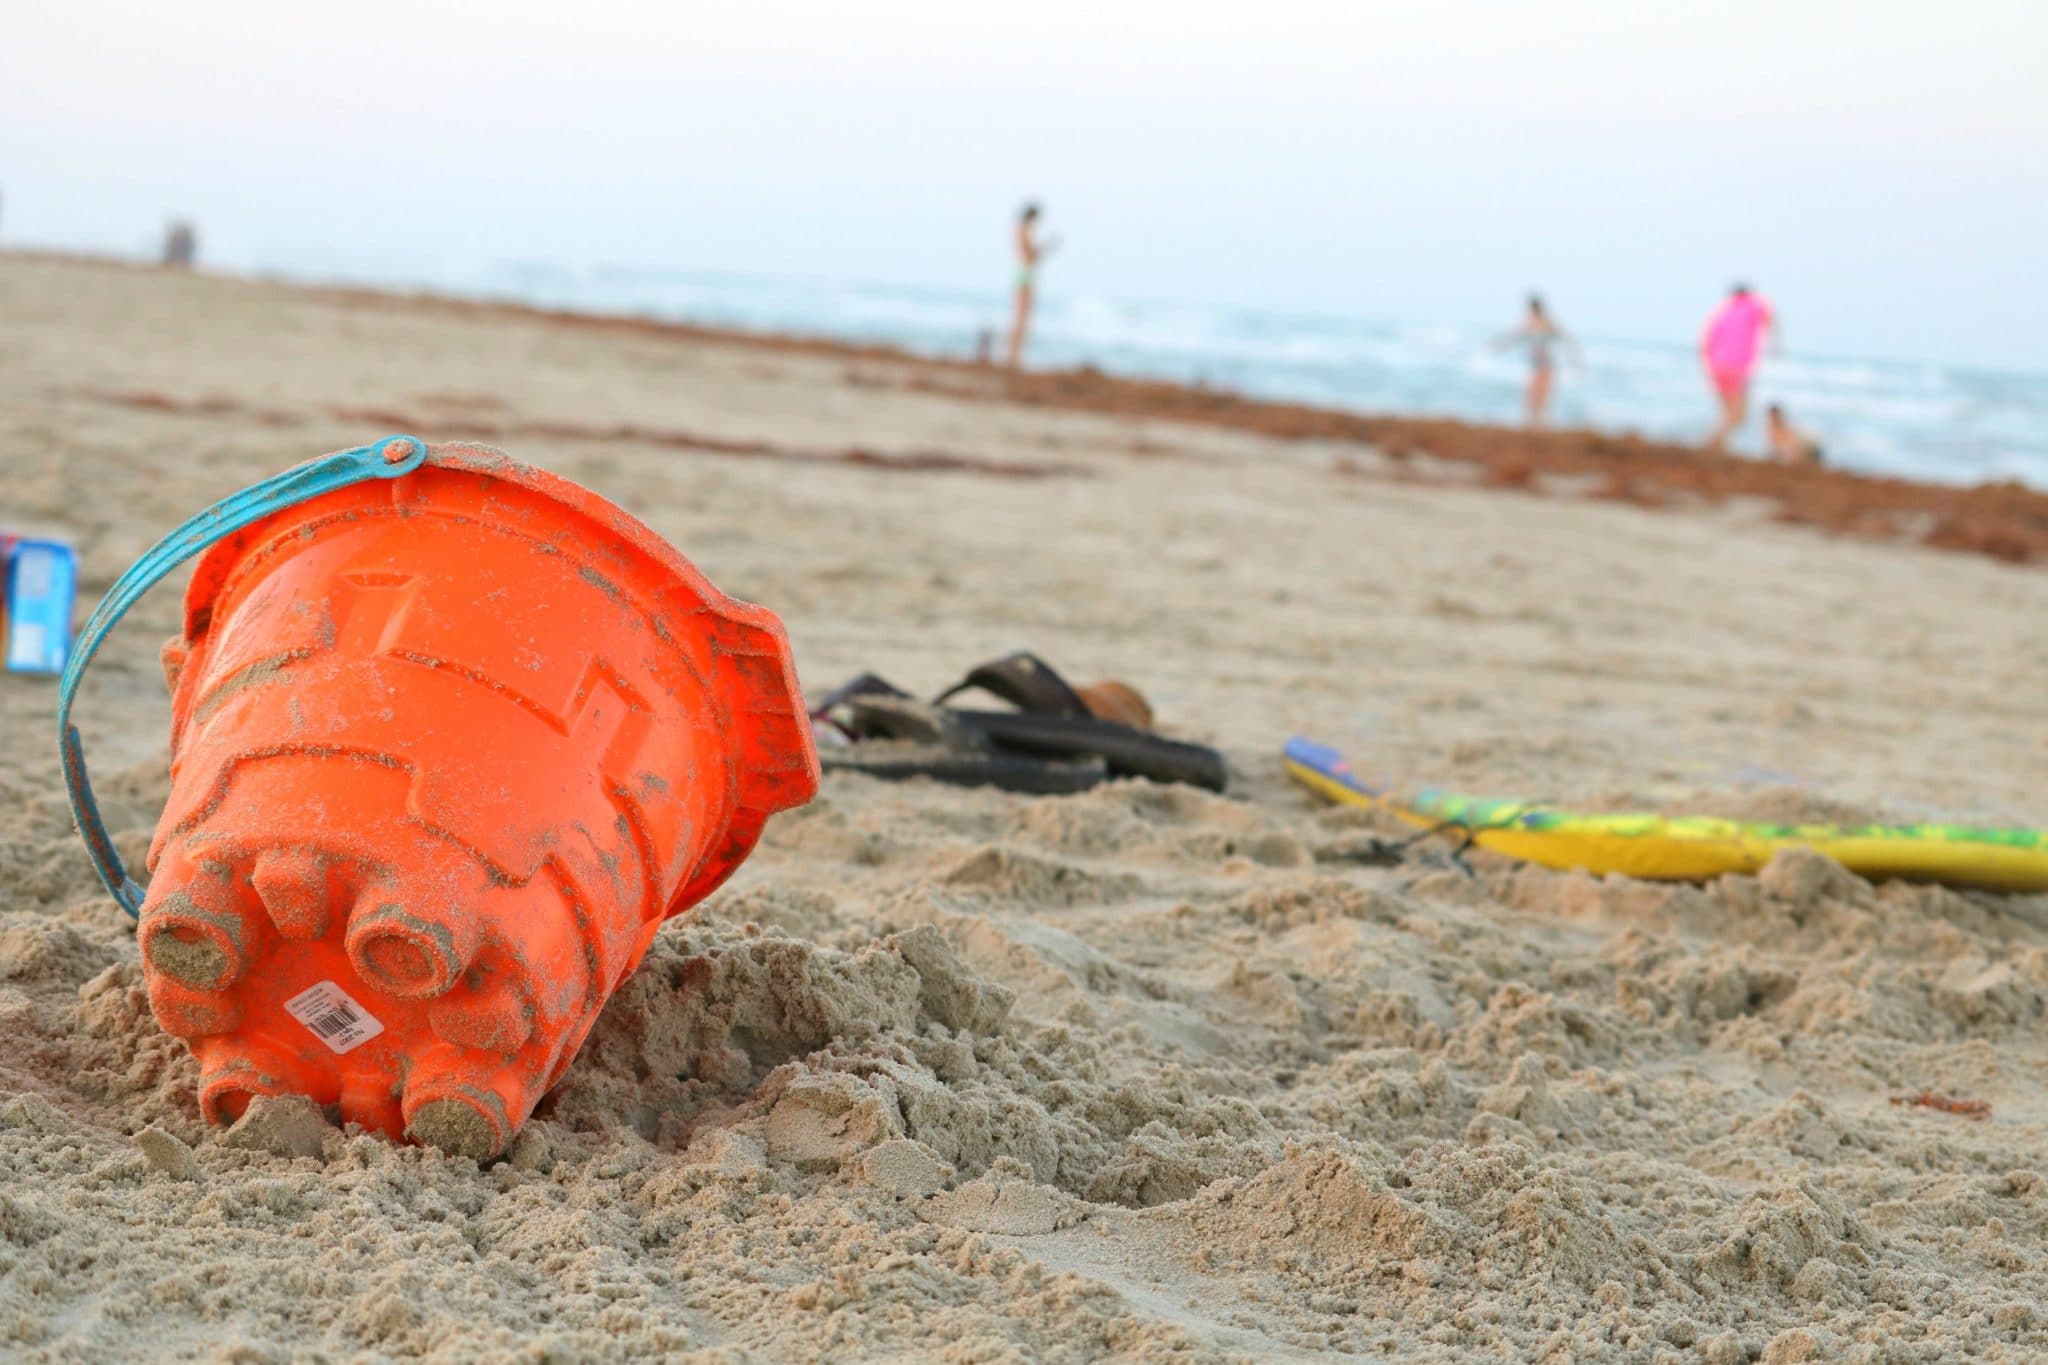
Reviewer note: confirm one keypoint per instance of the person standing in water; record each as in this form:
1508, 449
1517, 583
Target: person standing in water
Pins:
1730, 345
1031, 249
1544, 340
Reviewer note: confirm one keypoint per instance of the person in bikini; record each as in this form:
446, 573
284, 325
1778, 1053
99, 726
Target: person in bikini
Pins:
1730, 346
1544, 339
1031, 249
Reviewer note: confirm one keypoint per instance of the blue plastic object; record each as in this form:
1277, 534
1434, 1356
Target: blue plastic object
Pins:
42, 589
386, 459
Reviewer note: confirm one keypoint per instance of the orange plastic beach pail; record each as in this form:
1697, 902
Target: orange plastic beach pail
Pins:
447, 749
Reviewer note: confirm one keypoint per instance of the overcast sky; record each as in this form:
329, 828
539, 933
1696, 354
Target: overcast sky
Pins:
1876, 167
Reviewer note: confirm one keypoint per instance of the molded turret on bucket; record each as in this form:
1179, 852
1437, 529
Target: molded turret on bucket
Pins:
446, 751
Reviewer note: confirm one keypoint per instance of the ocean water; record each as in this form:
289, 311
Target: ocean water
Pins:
1923, 421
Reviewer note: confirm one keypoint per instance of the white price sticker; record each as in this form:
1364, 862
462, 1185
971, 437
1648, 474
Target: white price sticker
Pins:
334, 1017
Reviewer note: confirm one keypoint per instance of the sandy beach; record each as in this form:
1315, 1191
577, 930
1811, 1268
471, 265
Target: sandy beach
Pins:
1143, 1073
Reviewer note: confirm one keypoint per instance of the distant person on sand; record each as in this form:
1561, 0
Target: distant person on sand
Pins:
1786, 443
1544, 340
181, 244
1730, 345
1031, 249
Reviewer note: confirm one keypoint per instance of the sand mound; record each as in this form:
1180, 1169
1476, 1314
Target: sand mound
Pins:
1324, 1112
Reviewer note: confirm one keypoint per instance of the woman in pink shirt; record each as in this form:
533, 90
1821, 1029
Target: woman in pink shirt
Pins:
1730, 345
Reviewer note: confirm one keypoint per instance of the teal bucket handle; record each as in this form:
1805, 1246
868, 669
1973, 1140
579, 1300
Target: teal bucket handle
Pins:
386, 459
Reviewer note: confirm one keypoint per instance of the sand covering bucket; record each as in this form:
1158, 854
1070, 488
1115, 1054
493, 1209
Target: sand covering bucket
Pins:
451, 737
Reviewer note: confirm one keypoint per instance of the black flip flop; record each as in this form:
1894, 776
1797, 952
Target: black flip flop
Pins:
896, 738
1051, 718
1128, 752
1050, 743
893, 761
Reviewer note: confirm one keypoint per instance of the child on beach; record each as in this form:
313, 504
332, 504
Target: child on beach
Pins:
1786, 443
1730, 346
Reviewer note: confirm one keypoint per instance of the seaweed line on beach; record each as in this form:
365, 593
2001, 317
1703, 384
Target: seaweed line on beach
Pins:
467, 426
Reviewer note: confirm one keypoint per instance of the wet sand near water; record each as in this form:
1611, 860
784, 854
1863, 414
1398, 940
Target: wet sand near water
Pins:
1144, 1073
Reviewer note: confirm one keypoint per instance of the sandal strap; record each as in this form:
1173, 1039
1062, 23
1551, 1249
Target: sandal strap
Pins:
1025, 681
